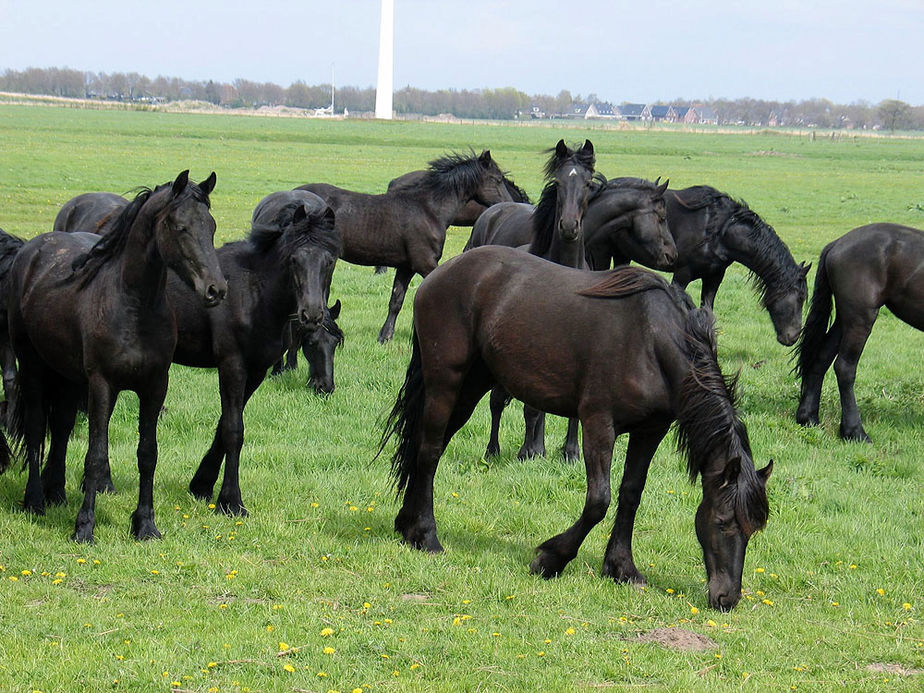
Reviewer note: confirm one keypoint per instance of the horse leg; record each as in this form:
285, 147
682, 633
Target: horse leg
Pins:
61, 417
498, 402
710, 288
534, 436
31, 389
571, 450
813, 378
554, 554
845, 367
150, 403
448, 406
99, 407
617, 561
229, 496
105, 479
8, 364
203, 482
398, 290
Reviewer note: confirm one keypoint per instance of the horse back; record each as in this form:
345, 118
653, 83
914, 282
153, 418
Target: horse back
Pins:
88, 212
506, 223
879, 264
558, 350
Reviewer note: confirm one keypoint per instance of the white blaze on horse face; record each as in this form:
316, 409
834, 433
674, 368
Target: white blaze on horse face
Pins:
573, 172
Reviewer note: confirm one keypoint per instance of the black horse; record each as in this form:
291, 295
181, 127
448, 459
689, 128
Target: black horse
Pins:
9, 246
92, 212
275, 274
621, 351
89, 317
627, 217
406, 228
867, 268
318, 341
711, 230
555, 230
469, 213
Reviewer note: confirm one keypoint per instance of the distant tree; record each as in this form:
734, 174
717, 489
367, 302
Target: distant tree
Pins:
894, 114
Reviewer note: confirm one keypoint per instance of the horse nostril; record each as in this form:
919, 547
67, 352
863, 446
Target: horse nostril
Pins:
307, 318
214, 294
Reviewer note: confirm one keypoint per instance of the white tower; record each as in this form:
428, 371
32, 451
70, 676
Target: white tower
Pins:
385, 86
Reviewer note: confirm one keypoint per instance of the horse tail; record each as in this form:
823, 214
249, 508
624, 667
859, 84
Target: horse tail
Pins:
404, 421
813, 334
15, 427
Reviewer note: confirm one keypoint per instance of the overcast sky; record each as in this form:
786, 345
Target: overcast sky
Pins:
620, 50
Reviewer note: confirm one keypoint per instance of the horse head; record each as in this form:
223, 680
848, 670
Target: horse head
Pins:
491, 186
185, 235
310, 247
634, 211
319, 342
734, 506
571, 171
785, 307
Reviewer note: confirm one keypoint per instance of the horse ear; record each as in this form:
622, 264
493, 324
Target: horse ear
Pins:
485, 157
663, 187
732, 469
335, 310
561, 149
764, 473
179, 185
806, 268
329, 215
588, 148
208, 185
301, 213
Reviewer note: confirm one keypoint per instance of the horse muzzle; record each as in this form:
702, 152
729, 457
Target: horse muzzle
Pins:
215, 293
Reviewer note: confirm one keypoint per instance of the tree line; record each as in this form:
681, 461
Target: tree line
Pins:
503, 104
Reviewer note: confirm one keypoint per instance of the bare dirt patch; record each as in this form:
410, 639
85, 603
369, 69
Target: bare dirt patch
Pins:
679, 639
894, 669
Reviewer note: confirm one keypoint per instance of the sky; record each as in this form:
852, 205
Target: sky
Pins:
846, 51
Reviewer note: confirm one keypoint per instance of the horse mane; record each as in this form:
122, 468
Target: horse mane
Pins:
113, 242
773, 269
9, 246
708, 424
287, 235
627, 281
453, 175
630, 182
516, 192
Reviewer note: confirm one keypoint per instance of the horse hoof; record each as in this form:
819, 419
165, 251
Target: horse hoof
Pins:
422, 541
622, 574
34, 507
527, 453
807, 419
234, 508
55, 496
547, 565
83, 535
855, 436
200, 492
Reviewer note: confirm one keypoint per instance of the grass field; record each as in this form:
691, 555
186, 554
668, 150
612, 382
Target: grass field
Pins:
313, 591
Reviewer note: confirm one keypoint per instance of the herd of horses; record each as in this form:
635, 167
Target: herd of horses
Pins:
542, 306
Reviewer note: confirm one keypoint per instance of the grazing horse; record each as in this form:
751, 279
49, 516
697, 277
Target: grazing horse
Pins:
318, 341
621, 351
277, 273
555, 230
867, 268
89, 317
627, 218
9, 246
93, 212
406, 228
711, 230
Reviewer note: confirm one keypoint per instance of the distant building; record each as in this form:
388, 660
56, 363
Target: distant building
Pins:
600, 110
630, 111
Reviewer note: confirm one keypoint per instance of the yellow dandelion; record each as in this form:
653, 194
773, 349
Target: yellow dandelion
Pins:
768, 602
289, 668
270, 628
222, 606
315, 505
326, 632
570, 631
212, 665
758, 570
367, 605
283, 646
906, 606
669, 590
81, 561
321, 674
880, 591
495, 634
694, 610
541, 653
328, 650
415, 665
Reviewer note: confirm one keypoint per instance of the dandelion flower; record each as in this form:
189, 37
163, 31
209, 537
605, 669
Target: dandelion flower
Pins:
328, 650
289, 668
569, 631
906, 606
880, 591
326, 632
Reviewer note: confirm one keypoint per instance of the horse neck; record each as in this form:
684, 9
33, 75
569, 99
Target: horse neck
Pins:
567, 253
759, 249
274, 293
142, 269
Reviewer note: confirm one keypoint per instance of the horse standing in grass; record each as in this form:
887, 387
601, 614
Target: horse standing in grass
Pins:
711, 230
619, 350
89, 317
555, 230
406, 228
92, 212
867, 268
277, 273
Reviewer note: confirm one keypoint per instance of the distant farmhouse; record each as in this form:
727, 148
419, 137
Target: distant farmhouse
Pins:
696, 114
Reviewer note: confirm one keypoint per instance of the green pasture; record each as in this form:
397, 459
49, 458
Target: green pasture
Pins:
314, 592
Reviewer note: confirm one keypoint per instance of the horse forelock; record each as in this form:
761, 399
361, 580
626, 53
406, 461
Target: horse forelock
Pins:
576, 157
316, 229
